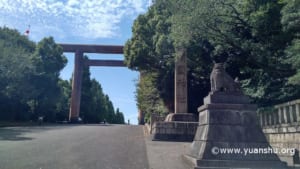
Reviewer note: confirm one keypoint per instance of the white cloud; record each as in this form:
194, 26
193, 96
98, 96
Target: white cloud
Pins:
78, 18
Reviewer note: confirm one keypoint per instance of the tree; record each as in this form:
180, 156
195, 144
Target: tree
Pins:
119, 117
48, 60
247, 35
95, 105
151, 50
147, 96
30, 83
15, 68
63, 103
86, 109
293, 54
291, 25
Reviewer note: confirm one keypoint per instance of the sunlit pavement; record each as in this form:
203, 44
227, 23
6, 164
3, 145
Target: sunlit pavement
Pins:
73, 147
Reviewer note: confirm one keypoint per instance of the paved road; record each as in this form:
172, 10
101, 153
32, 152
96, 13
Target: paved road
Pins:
73, 147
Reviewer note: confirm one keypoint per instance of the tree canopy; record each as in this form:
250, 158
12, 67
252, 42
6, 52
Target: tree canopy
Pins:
95, 105
258, 41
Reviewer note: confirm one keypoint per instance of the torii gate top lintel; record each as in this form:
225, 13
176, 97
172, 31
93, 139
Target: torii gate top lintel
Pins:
91, 48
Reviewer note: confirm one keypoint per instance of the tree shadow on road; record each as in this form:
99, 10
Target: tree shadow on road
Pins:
13, 134
21, 133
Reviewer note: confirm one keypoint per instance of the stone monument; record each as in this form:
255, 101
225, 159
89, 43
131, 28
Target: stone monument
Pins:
180, 125
181, 94
228, 134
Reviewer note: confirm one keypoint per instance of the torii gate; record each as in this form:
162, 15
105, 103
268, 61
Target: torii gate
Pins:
79, 50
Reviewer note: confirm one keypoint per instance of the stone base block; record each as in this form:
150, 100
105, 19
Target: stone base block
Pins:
75, 120
222, 97
174, 131
184, 117
232, 164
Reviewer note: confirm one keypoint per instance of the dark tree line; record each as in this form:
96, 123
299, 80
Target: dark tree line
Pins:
30, 85
258, 40
95, 105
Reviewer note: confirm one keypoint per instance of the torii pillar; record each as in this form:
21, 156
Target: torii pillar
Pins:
76, 87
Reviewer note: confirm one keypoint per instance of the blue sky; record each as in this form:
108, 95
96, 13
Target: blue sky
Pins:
106, 22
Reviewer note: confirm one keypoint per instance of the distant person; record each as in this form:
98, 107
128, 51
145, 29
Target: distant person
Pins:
104, 121
40, 120
128, 122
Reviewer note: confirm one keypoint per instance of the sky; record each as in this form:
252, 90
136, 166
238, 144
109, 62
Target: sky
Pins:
103, 22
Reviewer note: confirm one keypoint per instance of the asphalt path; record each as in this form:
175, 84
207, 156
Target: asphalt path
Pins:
73, 147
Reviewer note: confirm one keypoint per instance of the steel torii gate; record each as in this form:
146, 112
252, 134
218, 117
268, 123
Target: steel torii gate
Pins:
79, 50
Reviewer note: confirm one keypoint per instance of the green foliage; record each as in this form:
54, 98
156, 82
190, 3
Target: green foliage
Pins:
95, 105
291, 24
49, 60
63, 103
15, 68
119, 117
30, 85
150, 43
151, 50
258, 40
291, 16
148, 99
49, 57
293, 55
248, 35
29, 76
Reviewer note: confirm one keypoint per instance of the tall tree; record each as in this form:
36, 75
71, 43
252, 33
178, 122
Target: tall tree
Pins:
95, 105
63, 104
248, 35
119, 117
49, 60
151, 50
29, 76
15, 68
86, 109
147, 96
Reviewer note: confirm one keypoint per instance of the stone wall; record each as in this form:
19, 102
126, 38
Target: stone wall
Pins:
174, 131
285, 137
282, 128
155, 118
286, 113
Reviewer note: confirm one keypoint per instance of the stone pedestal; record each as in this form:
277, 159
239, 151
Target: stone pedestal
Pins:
174, 131
228, 128
182, 117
